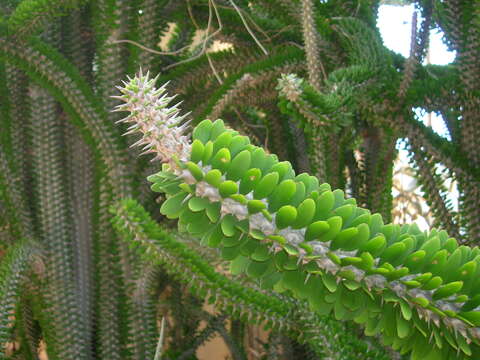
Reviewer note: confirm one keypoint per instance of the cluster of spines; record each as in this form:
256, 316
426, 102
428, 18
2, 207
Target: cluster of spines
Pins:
296, 234
152, 116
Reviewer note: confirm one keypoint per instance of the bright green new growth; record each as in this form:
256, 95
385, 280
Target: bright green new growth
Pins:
418, 290
277, 312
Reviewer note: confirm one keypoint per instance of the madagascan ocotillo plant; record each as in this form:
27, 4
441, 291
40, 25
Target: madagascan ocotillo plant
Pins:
88, 265
294, 234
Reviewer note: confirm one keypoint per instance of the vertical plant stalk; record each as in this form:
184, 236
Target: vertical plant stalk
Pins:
13, 199
13, 152
12, 269
29, 331
17, 84
379, 155
55, 227
108, 281
277, 141
300, 147
80, 173
418, 45
16, 213
310, 39
470, 75
432, 189
79, 163
149, 32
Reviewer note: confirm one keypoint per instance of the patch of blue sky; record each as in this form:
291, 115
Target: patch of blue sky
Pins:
395, 23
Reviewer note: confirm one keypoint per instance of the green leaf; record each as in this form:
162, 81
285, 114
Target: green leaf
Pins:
197, 151
392, 252
250, 180
335, 223
305, 214
257, 268
265, 186
213, 211
404, 327
222, 141
214, 177
447, 290
286, 216
228, 188
472, 316
343, 238
202, 131
375, 246
324, 205
330, 282
198, 204
406, 310
230, 253
228, 225
174, 205
261, 253
221, 160
237, 239
255, 206
218, 128
433, 283
316, 229
259, 158
239, 265
207, 152
284, 170
239, 165
345, 211
282, 194
238, 144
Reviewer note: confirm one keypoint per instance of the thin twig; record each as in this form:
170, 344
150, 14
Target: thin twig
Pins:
217, 76
248, 28
251, 20
190, 13
158, 351
151, 50
207, 37
279, 32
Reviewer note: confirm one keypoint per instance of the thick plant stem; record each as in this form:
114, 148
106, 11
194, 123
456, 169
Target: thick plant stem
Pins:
432, 189
310, 39
17, 84
55, 227
80, 163
108, 281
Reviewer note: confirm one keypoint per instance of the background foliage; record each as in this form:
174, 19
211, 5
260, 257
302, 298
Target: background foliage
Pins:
67, 280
